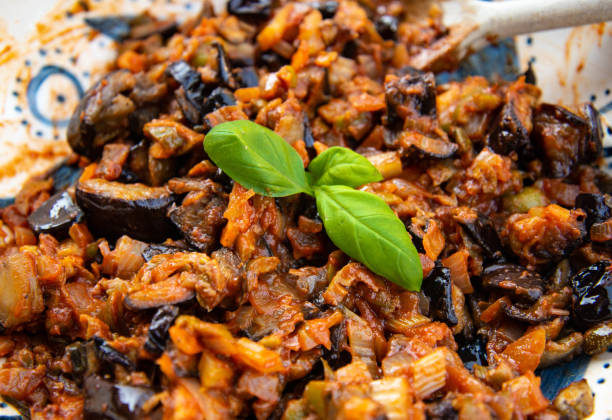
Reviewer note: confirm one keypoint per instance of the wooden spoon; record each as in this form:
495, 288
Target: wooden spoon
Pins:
473, 24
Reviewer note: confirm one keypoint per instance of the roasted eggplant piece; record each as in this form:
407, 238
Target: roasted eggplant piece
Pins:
158, 330
386, 26
576, 401
102, 114
218, 98
105, 400
598, 338
113, 209
328, 9
595, 207
592, 290
224, 71
523, 284
21, 299
156, 249
250, 9
509, 134
109, 355
481, 230
437, 287
246, 77
200, 219
473, 352
115, 27
56, 215
564, 140
412, 95
190, 80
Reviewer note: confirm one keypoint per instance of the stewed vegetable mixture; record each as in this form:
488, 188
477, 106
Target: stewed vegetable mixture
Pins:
143, 280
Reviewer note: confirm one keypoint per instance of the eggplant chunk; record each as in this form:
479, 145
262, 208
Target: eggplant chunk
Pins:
575, 402
598, 338
481, 230
105, 400
158, 330
426, 146
522, 283
509, 134
157, 249
56, 215
190, 80
200, 219
250, 9
413, 95
564, 140
113, 209
102, 114
595, 207
21, 299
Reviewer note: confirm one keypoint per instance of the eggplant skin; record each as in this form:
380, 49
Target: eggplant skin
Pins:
113, 209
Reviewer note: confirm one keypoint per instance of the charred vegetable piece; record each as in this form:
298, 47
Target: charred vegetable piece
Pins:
509, 134
522, 283
595, 207
113, 209
482, 231
441, 410
218, 98
102, 114
426, 146
473, 352
190, 80
308, 136
55, 215
595, 139
65, 176
157, 249
246, 77
413, 95
598, 338
386, 26
21, 299
108, 354
115, 27
564, 140
158, 330
224, 72
251, 9
105, 400
592, 288
437, 287
271, 60
576, 401
327, 8
200, 220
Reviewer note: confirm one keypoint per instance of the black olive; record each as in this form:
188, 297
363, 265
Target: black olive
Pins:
592, 287
109, 355
595, 207
272, 60
224, 70
246, 77
437, 287
56, 215
158, 330
386, 26
251, 9
327, 8
473, 352
218, 98
115, 27
190, 80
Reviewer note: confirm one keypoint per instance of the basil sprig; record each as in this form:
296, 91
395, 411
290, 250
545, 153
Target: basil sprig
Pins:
359, 223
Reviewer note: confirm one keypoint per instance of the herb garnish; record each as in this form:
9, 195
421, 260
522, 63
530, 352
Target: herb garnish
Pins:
359, 223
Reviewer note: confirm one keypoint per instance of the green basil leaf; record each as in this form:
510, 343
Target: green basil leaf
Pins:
257, 158
342, 166
365, 228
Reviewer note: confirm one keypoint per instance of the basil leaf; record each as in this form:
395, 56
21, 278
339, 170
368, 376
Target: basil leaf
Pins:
364, 227
342, 166
257, 158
